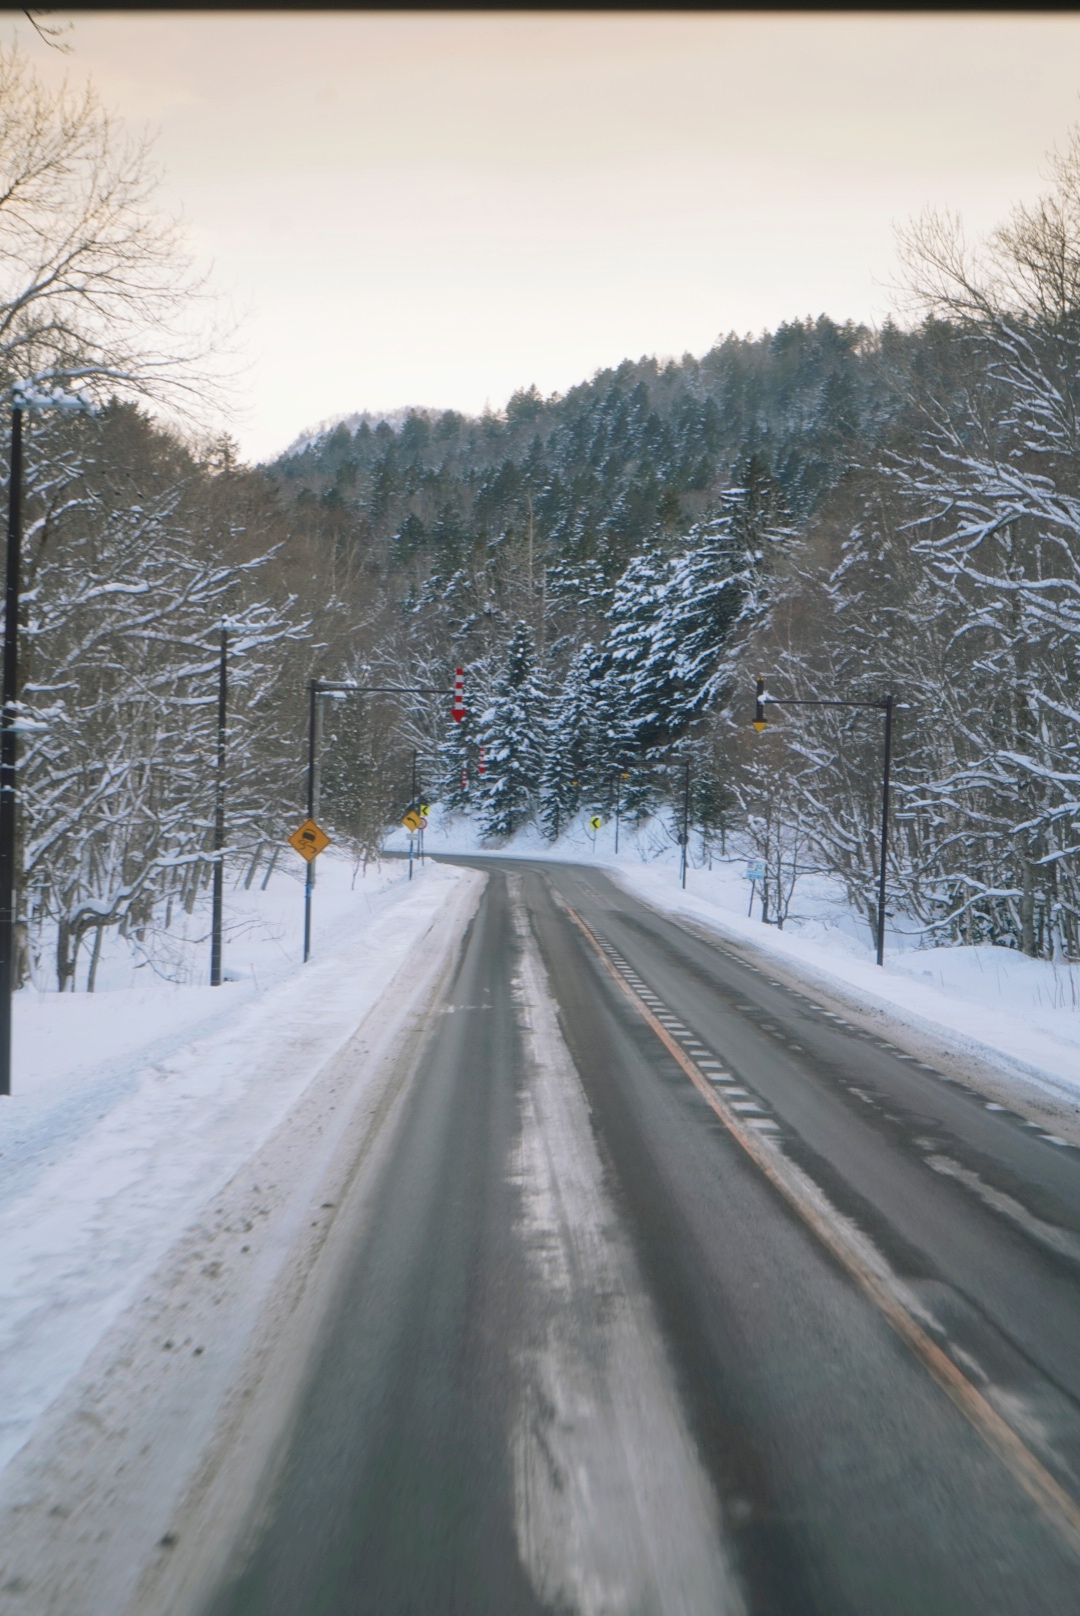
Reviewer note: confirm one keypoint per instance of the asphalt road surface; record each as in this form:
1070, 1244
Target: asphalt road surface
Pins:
682, 1293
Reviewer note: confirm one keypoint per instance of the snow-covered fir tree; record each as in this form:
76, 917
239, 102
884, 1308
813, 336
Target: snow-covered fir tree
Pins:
511, 733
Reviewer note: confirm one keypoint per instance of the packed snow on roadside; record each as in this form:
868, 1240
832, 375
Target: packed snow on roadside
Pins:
133, 1105
994, 1004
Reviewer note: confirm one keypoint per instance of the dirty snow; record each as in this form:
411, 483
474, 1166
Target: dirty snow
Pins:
613, 1511
132, 1107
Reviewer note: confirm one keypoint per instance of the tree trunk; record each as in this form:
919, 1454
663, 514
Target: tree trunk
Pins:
1027, 908
94, 957
63, 954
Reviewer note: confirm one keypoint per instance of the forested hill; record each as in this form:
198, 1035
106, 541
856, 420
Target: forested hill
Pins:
642, 449
849, 511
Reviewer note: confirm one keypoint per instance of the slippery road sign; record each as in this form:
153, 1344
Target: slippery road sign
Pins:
309, 840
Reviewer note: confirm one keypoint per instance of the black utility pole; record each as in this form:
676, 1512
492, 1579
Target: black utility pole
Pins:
884, 706
7, 749
219, 813
685, 822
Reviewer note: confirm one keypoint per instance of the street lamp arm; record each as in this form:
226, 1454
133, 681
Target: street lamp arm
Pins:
326, 687
797, 701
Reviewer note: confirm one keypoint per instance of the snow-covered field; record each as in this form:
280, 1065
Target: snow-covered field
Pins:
132, 1107
1018, 1015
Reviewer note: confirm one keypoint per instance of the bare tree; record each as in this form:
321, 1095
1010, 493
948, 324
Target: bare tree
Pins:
95, 282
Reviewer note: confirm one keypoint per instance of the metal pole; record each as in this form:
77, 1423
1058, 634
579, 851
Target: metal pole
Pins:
219, 814
618, 805
887, 704
7, 750
685, 823
416, 805
309, 875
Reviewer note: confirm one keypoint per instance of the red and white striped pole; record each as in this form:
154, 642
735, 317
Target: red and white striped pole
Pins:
480, 762
458, 708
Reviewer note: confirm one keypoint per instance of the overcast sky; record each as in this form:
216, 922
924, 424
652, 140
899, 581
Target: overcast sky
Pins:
439, 208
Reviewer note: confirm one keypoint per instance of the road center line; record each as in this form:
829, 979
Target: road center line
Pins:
1060, 1509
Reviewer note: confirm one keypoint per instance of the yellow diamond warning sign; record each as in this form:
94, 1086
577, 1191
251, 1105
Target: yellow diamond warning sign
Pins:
413, 820
309, 840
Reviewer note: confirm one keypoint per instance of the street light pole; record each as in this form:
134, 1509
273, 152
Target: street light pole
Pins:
412, 805
685, 822
886, 769
618, 804
7, 748
219, 814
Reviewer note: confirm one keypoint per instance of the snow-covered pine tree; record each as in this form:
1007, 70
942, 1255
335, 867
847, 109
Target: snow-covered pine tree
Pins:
510, 731
636, 607
568, 742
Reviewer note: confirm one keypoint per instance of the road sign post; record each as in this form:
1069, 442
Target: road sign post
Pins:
309, 840
755, 872
686, 823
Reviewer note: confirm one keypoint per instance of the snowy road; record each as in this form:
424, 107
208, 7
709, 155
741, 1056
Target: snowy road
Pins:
680, 1291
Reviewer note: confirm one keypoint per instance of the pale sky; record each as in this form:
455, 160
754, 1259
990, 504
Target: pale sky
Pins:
437, 208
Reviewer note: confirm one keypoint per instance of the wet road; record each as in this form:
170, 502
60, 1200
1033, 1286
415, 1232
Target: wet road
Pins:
681, 1293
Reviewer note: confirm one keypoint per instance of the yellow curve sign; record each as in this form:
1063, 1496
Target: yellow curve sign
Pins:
309, 840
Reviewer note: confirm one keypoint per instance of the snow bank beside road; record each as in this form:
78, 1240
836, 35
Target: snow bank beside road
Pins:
994, 1005
989, 1003
132, 1108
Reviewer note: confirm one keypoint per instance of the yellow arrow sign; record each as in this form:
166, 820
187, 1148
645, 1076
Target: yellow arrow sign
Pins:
413, 820
309, 840
595, 822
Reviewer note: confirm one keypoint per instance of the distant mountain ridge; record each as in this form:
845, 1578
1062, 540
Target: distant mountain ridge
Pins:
352, 421
636, 452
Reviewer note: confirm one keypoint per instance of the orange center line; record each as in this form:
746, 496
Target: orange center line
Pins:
1055, 1503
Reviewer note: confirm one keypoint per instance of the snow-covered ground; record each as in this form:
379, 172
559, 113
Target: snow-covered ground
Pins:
1018, 1015
131, 1108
